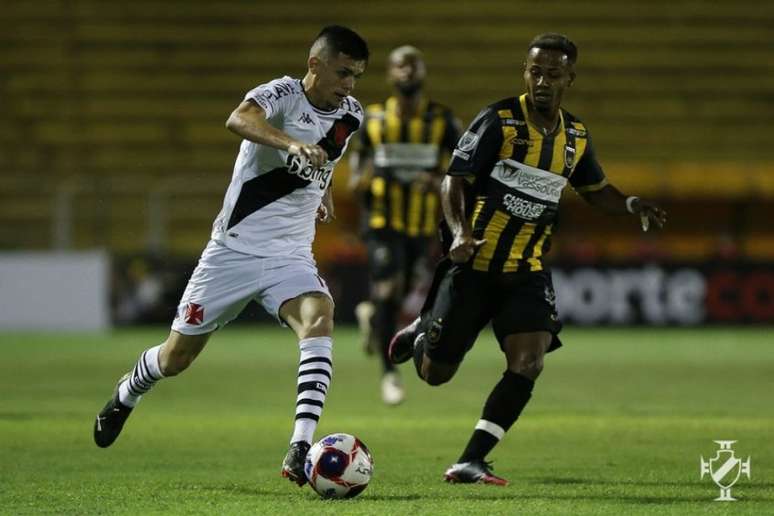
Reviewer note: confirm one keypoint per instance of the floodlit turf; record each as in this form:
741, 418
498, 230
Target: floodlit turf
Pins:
616, 426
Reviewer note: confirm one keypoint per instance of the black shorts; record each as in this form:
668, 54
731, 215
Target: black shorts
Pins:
462, 301
393, 254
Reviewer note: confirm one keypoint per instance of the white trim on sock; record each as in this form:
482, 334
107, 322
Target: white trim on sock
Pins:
145, 373
152, 358
125, 397
316, 346
491, 428
304, 430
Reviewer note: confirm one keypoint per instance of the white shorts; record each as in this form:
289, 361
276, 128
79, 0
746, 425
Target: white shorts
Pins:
225, 280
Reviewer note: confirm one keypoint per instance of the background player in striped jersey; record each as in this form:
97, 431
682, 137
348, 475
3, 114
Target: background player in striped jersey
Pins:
294, 132
404, 144
500, 200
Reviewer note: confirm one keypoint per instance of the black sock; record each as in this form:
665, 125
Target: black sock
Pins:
501, 410
384, 324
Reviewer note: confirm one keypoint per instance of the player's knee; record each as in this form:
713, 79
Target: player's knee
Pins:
435, 376
528, 364
320, 325
435, 379
179, 351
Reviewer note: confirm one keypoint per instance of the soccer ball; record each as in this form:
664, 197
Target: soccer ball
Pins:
339, 466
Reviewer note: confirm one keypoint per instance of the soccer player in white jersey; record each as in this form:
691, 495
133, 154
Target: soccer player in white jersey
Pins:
294, 132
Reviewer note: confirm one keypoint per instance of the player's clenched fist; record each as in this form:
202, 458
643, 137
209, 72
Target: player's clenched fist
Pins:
315, 154
463, 247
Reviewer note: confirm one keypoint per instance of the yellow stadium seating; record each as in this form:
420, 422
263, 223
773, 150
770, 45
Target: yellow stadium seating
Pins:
127, 101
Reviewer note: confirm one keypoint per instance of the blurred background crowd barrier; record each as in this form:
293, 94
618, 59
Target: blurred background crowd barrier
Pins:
112, 137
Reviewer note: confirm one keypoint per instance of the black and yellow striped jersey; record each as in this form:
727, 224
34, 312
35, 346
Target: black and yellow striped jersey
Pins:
396, 201
517, 176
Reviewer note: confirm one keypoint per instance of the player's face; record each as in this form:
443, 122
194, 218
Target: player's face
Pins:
335, 79
547, 74
406, 74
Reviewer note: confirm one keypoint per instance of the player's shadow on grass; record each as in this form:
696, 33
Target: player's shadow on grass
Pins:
397, 498
282, 495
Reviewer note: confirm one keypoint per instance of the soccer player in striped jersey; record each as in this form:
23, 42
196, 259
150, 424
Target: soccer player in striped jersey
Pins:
500, 200
404, 145
294, 132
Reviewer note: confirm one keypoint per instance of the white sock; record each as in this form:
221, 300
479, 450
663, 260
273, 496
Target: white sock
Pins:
146, 372
315, 369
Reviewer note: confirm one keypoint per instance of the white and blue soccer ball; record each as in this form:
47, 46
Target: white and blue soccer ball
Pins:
339, 466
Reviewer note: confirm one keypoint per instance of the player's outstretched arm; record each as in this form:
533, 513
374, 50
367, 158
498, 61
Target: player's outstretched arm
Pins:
248, 120
611, 200
453, 203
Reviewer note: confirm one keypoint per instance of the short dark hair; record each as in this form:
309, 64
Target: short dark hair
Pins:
344, 40
555, 41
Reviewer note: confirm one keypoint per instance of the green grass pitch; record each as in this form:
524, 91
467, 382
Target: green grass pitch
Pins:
616, 425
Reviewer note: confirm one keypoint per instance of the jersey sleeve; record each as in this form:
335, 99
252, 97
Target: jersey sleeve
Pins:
477, 150
272, 97
588, 175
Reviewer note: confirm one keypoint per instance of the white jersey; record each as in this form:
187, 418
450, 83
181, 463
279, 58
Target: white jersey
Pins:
271, 205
